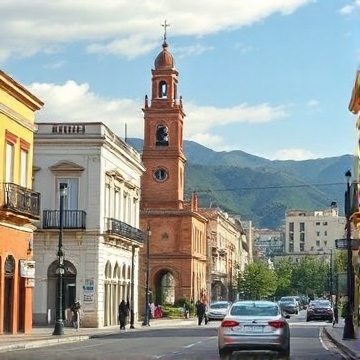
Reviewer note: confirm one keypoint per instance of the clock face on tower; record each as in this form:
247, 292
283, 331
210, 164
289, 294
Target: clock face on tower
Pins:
160, 174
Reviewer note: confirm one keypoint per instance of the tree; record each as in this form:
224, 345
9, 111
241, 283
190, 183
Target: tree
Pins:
283, 270
311, 276
257, 281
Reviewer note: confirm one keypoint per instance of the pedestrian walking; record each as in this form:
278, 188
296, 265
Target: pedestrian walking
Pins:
76, 308
123, 314
200, 312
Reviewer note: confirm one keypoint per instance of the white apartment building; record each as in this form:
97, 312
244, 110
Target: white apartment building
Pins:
313, 232
100, 177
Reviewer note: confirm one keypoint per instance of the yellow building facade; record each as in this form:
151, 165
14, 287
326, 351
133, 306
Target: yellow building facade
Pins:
19, 205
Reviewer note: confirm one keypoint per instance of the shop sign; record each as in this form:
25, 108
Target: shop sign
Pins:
27, 269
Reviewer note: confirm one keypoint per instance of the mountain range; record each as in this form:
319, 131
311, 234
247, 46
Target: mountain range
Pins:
259, 189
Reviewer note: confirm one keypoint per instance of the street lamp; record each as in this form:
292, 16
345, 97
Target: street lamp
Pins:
146, 321
132, 287
59, 322
349, 332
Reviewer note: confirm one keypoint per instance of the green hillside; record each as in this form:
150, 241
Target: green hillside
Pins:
259, 189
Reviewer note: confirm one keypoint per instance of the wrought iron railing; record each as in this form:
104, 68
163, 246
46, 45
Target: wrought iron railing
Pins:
20, 199
72, 219
120, 228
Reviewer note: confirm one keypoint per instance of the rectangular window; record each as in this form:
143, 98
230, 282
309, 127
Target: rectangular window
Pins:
291, 247
71, 200
302, 237
23, 167
325, 223
302, 226
325, 233
317, 224
291, 226
302, 246
317, 243
9, 175
318, 233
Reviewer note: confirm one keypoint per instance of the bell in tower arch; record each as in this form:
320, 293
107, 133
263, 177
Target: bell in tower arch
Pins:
162, 135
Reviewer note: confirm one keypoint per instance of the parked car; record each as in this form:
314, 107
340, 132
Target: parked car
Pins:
289, 305
320, 310
254, 326
218, 309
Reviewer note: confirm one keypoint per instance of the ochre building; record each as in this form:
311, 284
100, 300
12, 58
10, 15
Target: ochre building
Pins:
19, 205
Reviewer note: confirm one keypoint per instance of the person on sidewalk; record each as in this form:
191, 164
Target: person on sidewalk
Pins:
123, 314
200, 312
76, 308
336, 314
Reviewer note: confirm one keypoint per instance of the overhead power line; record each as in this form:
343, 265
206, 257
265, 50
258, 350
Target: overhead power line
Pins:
268, 187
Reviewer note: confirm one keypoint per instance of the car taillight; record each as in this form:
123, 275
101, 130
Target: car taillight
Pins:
229, 323
277, 324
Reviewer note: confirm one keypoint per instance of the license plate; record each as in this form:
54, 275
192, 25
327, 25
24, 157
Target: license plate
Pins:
253, 328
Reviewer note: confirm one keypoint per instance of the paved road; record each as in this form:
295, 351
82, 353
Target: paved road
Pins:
183, 343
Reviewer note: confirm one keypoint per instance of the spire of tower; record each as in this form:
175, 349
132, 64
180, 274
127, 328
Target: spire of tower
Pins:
165, 25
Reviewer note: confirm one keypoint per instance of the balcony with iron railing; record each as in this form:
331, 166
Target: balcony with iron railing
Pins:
19, 199
72, 219
117, 227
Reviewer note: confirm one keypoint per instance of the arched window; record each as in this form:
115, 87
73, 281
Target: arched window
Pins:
163, 90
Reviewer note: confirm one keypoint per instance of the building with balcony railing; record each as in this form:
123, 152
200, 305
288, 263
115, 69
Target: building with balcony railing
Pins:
19, 205
100, 220
227, 253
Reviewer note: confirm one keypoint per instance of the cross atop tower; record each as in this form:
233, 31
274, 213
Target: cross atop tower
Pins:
165, 25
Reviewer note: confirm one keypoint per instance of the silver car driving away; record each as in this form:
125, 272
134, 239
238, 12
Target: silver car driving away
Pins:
254, 326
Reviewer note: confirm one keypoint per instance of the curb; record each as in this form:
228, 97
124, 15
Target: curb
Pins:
344, 349
32, 344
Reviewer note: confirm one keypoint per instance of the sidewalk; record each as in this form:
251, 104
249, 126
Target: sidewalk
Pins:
351, 348
42, 336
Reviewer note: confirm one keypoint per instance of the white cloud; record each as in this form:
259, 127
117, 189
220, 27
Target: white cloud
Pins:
72, 102
312, 103
293, 154
197, 49
54, 65
346, 10
29, 27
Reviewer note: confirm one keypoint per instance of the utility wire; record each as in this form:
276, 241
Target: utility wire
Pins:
268, 187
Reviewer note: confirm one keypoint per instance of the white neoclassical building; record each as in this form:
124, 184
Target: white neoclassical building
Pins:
99, 178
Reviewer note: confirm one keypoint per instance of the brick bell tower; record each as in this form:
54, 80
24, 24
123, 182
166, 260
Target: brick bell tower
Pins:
173, 259
163, 157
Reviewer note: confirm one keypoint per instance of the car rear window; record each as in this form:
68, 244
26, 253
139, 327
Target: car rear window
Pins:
287, 299
219, 306
257, 310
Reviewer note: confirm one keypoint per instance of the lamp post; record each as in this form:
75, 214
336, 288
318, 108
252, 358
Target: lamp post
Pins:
146, 321
349, 332
59, 322
132, 287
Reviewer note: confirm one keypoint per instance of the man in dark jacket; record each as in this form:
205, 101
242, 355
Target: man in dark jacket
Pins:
200, 312
123, 314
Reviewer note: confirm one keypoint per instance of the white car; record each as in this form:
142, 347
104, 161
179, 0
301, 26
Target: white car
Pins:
218, 310
254, 326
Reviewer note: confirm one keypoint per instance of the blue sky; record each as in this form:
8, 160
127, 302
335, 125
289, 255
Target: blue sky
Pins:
272, 78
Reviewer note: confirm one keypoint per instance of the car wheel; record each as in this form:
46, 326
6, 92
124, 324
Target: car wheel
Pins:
225, 354
285, 354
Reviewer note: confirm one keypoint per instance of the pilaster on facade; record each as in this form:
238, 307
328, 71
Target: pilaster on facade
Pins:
228, 251
101, 232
